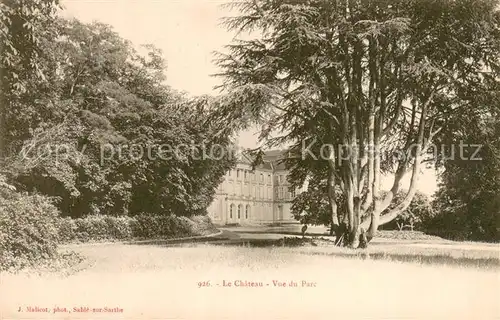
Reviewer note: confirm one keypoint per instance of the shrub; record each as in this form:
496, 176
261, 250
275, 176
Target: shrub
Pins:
145, 226
28, 230
202, 225
91, 228
119, 227
95, 228
148, 226
67, 229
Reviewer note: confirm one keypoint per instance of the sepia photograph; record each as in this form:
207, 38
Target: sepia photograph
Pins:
250, 159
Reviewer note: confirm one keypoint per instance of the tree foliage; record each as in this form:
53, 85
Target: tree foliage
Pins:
375, 77
22, 24
104, 135
468, 199
418, 214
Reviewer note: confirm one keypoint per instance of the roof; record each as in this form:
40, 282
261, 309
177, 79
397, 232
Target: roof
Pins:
271, 159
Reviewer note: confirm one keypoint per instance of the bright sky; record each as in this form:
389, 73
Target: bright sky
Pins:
188, 32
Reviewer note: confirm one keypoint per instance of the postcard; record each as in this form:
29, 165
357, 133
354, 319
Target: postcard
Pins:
250, 159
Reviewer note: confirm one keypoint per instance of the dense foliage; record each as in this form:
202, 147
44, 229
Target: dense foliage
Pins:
22, 25
28, 232
468, 199
104, 135
144, 226
417, 216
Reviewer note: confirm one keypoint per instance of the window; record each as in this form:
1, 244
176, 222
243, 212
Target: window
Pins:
245, 175
269, 194
238, 173
247, 211
292, 193
280, 178
269, 179
231, 208
280, 194
239, 211
261, 177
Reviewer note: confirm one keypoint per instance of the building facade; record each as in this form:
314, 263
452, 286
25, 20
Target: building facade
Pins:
259, 196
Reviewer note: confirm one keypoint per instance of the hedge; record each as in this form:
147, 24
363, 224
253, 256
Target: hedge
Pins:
102, 227
31, 229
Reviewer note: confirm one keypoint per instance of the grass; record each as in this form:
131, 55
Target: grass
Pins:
450, 256
387, 281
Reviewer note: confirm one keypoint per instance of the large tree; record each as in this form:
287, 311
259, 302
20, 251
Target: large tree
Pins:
104, 134
22, 27
353, 83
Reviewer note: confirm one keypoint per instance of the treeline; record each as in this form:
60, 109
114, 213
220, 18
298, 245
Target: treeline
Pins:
88, 127
97, 129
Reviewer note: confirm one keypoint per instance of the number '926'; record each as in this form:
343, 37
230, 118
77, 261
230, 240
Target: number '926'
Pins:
203, 284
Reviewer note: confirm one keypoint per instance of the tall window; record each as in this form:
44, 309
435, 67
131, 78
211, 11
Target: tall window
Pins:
280, 178
261, 177
292, 193
247, 211
238, 173
231, 208
245, 175
239, 211
269, 179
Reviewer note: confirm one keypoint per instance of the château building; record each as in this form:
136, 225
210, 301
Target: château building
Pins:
259, 196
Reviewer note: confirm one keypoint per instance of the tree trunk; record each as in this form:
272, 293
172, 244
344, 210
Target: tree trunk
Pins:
331, 195
356, 228
4, 87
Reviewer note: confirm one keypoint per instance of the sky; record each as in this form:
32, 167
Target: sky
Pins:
188, 32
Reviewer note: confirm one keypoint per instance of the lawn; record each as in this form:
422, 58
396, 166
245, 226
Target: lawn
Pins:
191, 281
